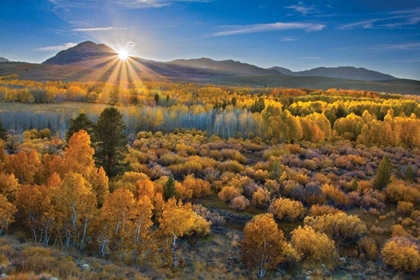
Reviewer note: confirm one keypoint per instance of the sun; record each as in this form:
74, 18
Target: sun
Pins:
123, 55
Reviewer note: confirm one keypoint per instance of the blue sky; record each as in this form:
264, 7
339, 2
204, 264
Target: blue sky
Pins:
299, 35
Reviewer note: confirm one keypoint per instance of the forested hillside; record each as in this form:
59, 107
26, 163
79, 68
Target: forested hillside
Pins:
190, 181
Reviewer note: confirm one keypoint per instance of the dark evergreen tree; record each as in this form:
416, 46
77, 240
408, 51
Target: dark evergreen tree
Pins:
110, 142
169, 190
81, 122
383, 174
409, 174
3, 132
157, 97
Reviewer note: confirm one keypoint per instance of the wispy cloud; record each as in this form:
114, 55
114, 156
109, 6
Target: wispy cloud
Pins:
56, 48
288, 39
311, 57
141, 4
258, 28
405, 46
390, 20
366, 24
302, 8
96, 29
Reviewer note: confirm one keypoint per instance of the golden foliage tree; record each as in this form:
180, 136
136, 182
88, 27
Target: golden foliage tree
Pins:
178, 220
7, 213
264, 245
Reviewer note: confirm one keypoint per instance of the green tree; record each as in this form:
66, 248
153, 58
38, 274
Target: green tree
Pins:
383, 174
110, 142
3, 132
169, 190
157, 97
409, 174
81, 122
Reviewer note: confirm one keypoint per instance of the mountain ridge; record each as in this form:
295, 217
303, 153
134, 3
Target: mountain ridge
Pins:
3, 59
88, 61
343, 72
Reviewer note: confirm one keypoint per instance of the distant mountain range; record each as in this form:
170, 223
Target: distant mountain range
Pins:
81, 52
88, 61
343, 72
2, 59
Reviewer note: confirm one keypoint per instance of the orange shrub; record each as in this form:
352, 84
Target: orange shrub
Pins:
199, 187
397, 190
231, 165
405, 207
342, 228
335, 195
319, 210
368, 247
313, 246
260, 198
287, 209
401, 254
228, 193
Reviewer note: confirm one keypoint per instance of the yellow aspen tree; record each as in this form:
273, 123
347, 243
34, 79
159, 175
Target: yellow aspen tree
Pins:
141, 237
264, 244
7, 213
74, 206
177, 220
116, 221
9, 185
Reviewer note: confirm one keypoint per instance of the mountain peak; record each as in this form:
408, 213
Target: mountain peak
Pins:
2, 59
81, 52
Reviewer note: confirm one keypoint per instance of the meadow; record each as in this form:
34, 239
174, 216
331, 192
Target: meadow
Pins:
214, 182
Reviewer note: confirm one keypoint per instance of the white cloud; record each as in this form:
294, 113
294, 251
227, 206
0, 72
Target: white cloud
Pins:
396, 19
366, 24
288, 39
95, 29
302, 8
257, 28
405, 46
56, 48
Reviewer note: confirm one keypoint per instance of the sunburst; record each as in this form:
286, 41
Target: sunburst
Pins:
123, 55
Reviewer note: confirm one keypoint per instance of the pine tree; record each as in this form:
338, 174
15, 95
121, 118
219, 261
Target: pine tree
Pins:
169, 190
383, 174
110, 142
3, 132
409, 174
81, 122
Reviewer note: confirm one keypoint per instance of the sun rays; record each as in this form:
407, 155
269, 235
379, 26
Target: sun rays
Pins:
122, 74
